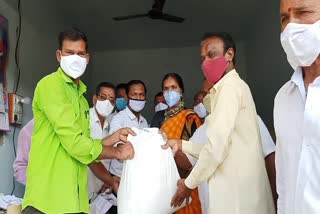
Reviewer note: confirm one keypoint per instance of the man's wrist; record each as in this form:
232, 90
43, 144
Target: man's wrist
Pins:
180, 145
117, 153
109, 152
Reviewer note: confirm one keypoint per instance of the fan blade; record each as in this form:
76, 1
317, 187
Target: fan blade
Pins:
171, 18
121, 18
158, 5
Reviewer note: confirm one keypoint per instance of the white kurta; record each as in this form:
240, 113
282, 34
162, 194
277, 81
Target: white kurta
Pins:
232, 160
96, 132
268, 145
297, 126
199, 136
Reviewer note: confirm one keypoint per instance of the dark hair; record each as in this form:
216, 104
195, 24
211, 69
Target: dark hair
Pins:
175, 76
159, 94
135, 82
121, 86
106, 85
199, 92
72, 34
227, 40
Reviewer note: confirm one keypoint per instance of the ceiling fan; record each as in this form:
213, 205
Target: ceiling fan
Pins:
154, 13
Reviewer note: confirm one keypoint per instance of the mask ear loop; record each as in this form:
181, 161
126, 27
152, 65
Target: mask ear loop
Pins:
61, 53
227, 61
224, 73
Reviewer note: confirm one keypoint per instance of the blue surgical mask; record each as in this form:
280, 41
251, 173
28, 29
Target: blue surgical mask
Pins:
121, 103
172, 97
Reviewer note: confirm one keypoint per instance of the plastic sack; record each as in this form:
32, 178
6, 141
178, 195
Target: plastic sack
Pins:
149, 180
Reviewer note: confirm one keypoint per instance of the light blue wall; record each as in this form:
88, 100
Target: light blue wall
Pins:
37, 50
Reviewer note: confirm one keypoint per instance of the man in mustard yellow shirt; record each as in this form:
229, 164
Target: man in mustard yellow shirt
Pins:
61, 146
231, 160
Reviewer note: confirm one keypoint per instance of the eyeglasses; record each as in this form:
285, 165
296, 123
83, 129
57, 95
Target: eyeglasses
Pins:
103, 97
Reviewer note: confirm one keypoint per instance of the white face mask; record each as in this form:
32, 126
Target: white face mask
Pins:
200, 110
73, 65
301, 42
137, 105
104, 108
160, 107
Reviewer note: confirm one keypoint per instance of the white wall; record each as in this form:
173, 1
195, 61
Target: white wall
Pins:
37, 58
267, 67
150, 66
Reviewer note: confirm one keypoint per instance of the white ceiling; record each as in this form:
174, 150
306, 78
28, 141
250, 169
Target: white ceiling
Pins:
95, 18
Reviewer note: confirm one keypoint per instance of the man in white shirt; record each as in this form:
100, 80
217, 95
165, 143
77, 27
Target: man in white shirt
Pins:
159, 102
297, 110
268, 148
198, 106
130, 116
103, 101
231, 160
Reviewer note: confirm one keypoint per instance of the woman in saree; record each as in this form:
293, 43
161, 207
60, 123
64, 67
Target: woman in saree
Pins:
178, 122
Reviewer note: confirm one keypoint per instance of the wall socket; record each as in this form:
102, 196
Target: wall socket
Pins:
15, 108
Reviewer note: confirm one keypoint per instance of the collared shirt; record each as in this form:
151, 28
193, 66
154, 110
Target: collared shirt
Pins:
109, 117
199, 136
60, 147
268, 146
96, 132
21, 161
232, 160
297, 127
122, 119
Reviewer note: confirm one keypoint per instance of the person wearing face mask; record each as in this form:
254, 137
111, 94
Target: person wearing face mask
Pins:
103, 101
120, 101
198, 106
159, 102
199, 136
61, 143
297, 110
178, 122
129, 117
231, 159
121, 97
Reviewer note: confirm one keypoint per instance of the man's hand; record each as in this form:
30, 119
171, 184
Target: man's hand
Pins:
120, 135
164, 135
125, 151
174, 144
112, 185
104, 187
115, 183
124, 132
182, 193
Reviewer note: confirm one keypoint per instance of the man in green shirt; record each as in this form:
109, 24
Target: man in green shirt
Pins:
61, 146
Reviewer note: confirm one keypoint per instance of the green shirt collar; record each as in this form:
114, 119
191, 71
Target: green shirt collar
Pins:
82, 87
